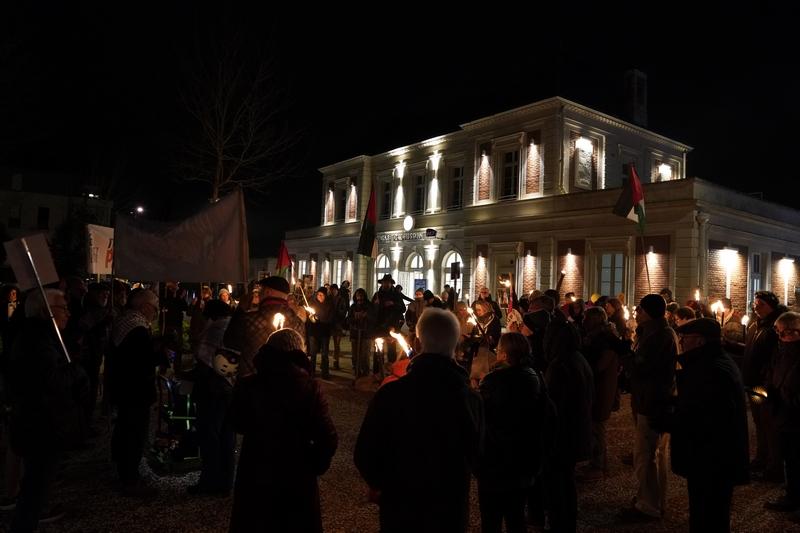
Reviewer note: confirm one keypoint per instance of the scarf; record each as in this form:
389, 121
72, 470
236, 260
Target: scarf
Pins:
126, 323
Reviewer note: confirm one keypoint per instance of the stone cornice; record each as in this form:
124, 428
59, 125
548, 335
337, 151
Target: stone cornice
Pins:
519, 112
342, 165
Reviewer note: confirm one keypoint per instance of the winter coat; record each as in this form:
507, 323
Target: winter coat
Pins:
325, 316
361, 318
760, 345
709, 435
413, 312
784, 390
390, 309
288, 440
47, 394
570, 385
132, 362
247, 332
418, 445
512, 456
602, 350
652, 368
490, 323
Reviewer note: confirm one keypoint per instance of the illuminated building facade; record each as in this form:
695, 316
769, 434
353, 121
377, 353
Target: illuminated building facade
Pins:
527, 194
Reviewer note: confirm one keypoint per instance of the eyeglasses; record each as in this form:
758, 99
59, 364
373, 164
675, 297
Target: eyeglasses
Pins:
786, 332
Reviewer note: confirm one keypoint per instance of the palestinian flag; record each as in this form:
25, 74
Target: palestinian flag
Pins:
631, 201
283, 261
367, 244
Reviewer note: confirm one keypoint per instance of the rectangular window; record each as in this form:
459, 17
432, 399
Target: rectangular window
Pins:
14, 217
341, 205
612, 273
43, 218
419, 194
510, 182
386, 200
756, 273
338, 271
457, 189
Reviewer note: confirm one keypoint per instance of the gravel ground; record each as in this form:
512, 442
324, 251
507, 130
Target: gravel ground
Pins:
86, 488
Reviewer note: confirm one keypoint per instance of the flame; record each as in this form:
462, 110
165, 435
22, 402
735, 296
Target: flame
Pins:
471, 320
758, 394
627, 312
506, 283
745, 320
573, 298
471, 312
696, 295
278, 321
310, 310
717, 307
379, 344
401, 341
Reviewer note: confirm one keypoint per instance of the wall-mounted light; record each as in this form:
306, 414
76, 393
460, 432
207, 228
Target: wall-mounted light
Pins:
569, 251
434, 159
728, 256
786, 268
400, 169
665, 172
408, 223
584, 144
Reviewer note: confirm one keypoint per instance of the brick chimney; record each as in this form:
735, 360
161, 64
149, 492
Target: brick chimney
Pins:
636, 97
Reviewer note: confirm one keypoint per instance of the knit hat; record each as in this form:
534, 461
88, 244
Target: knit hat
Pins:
707, 327
654, 305
768, 298
276, 283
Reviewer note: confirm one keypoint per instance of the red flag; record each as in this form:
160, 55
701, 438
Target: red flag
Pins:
283, 258
367, 245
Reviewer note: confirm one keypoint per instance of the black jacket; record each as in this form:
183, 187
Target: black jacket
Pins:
47, 394
759, 347
514, 418
418, 445
361, 318
571, 387
652, 368
709, 425
289, 440
325, 319
390, 310
784, 388
603, 350
132, 367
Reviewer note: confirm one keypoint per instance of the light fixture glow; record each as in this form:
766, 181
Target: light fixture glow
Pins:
728, 256
140, 209
786, 268
434, 159
665, 172
408, 223
584, 144
400, 169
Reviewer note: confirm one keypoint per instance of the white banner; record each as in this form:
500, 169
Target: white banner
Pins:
210, 246
21, 264
101, 249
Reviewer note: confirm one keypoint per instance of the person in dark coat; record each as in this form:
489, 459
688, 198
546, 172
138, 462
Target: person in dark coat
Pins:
390, 310
422, 435
709, 444
48, 396
248, 331
319, 328
134, 357
783, 400
652, 376
534, 327
512, 457
570, 385
95, 328
213, 394
602, 349
361, 323
288, 441
760, 345
485, 296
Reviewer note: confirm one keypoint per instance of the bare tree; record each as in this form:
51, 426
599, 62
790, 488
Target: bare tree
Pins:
242, 136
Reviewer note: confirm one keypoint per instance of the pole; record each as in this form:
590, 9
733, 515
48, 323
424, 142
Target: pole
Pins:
646, 267
44, 296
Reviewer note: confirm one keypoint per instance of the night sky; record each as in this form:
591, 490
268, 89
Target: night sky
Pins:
94, 91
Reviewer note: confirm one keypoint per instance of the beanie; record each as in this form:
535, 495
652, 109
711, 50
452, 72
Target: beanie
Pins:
654, 305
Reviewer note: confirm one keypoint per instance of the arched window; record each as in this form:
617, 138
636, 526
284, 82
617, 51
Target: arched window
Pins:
450, 258
414, 269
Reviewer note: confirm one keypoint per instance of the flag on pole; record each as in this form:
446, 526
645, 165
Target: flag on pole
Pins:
208, 246
631, 201
367, 244
283, 261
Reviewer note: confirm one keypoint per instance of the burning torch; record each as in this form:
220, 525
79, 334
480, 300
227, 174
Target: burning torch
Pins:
278, 320
401, 341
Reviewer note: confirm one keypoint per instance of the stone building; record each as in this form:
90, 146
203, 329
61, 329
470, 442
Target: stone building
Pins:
526, 194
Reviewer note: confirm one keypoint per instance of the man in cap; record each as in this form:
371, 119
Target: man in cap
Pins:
652, 371
708, 427
248, 332
760, 344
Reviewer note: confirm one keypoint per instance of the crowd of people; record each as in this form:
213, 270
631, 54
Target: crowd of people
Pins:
518, 397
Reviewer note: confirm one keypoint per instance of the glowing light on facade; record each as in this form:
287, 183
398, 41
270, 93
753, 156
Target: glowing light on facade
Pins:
664, 172
786, 269
584, 144
729, 257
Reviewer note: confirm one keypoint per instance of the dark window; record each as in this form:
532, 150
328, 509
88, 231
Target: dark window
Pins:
43, 218
457, 189
341, 205
510, 183
419, 194
14, 217
386, 200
